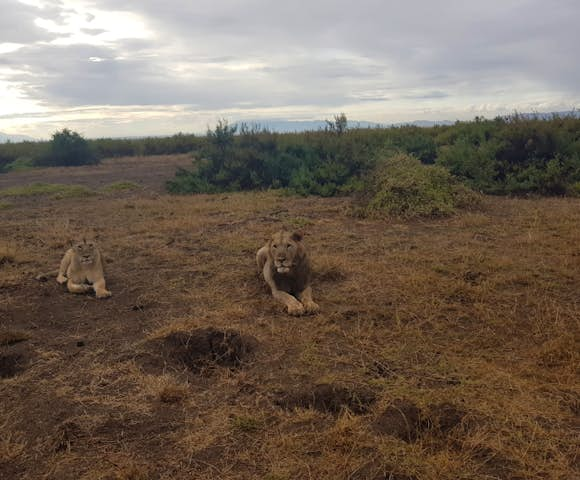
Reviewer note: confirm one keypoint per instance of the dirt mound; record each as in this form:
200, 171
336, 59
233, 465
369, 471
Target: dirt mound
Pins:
11, 364
443, 417
328, 274
202, 347
402, 419
327, 398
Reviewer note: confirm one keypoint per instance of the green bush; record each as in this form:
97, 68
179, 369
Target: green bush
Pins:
321, 163
68, 148
401, 186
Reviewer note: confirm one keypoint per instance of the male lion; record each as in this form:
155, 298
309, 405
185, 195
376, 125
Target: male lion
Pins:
286, 269
82, 270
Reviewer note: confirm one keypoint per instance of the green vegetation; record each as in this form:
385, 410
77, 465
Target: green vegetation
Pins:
323, 163
68, 149
21, 164
514, 155
55, 190
5, 205
42, 154
403, 187
120, 187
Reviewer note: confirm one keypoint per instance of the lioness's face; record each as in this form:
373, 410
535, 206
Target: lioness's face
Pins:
283, 249
86, 251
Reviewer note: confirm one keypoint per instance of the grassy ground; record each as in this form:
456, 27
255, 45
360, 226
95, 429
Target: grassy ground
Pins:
445, 349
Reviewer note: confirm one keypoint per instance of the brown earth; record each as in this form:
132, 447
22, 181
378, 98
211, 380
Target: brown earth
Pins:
191, 370
150, 172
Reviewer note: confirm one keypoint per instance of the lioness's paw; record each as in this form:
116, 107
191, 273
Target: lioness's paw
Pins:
103, 294
61, 279
296, 309
311, 307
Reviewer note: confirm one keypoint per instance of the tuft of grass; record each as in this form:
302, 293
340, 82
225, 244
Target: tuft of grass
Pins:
401, 186
5, 205
172, 393
120, 187
55, 190
246, 424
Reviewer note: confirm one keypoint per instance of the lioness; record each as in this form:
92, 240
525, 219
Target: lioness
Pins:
286, 269
82, 270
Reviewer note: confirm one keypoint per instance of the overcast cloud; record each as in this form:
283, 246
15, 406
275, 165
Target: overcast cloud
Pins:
143, 67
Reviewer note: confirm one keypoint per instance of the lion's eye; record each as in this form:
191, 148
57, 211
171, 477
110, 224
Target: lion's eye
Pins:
288, 245
275, 246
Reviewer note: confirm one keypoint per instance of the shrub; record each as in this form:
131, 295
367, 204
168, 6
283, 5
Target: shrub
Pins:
20, 164
68, 148
401, 186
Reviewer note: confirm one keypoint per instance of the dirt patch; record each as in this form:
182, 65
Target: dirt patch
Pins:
473, 277
200, 348
494, 464
406, 421
328, 398
402, 419
151, 172
11, 364
328, 274
443, 417
11, 337
66, 435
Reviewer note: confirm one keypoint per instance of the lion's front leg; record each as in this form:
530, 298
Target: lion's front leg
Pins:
291, 303
293, 306
77, 287
101, 289
64, 264
310, 306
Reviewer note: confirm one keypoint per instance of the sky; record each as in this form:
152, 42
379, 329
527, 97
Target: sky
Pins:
107, 68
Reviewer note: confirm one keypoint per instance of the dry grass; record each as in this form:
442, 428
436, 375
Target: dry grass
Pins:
479, 311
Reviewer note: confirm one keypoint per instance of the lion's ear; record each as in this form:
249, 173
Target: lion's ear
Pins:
297, 236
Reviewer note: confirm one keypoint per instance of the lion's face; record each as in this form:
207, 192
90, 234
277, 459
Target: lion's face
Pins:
87, 251
285, 250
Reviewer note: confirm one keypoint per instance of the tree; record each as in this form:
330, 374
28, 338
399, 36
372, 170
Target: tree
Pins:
68, 148
339, 125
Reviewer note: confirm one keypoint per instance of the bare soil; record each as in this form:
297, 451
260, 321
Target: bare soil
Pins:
150, 172
445, 349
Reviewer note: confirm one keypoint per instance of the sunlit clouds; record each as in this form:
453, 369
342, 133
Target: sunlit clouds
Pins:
152, 67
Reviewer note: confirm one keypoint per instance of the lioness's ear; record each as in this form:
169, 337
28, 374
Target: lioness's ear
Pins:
297, 236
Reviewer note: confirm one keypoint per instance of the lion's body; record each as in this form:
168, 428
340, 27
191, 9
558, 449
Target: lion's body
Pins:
82, 270
286, 268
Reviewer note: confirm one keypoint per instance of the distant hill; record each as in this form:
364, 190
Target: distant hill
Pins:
5, 137
286, 126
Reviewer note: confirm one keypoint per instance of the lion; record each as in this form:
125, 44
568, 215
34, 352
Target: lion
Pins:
82, 270
286, 269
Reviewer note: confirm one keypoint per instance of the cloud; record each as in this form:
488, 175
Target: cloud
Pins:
371, 56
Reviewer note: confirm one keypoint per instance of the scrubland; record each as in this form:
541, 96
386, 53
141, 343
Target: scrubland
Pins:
446, 348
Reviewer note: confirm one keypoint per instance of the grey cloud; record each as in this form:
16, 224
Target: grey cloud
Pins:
17, 23
325, 52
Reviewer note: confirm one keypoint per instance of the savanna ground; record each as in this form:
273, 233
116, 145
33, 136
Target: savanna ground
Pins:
445, 349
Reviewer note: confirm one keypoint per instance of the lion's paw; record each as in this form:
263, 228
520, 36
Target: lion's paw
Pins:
103, 294
296, 309
61, 279
311, 307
